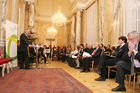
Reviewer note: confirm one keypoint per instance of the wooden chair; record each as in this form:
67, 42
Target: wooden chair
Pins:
92, 65
134, 79
129, 79
109, 69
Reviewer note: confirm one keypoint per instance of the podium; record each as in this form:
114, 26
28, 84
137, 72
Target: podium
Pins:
37, 54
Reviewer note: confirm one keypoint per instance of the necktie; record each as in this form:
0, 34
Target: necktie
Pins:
93, 52
132, 64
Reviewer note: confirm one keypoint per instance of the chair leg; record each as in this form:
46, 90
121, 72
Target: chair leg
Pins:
134, 80
129, 79
3, 69
11, 65
92, 65
8, 68
108, 72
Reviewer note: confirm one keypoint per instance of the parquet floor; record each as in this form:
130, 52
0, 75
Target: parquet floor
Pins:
88, 79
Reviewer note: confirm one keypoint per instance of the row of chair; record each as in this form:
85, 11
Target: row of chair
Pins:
5, 63
111, 68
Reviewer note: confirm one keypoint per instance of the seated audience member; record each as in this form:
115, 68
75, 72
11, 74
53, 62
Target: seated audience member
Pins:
68, 53
102, 46
55, 52
58, 53
73, 57
106, 60
85, 45
113, 50
86, 59
32, 54
63, 54
80, 55
107, 50
96, 54
126, 62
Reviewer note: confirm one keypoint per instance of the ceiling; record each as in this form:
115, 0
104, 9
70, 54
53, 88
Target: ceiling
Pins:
44, 9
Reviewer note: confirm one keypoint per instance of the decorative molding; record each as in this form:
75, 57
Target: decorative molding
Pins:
89, 3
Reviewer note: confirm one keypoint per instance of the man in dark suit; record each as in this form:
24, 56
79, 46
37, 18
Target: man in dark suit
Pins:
24, 49
125, 63
95, 55
86, 60
110, 61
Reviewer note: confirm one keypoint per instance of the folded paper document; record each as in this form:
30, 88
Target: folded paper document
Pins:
85, 54
74, 56
136, 63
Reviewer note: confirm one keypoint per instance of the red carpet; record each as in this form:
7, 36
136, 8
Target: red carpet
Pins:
50, 80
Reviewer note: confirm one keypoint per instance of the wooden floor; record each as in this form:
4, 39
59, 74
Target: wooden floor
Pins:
88, 79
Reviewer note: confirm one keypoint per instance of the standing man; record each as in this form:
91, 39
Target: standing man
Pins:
133, 50
24, 44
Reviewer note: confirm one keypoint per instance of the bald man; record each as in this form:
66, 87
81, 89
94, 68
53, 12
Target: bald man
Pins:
24, 43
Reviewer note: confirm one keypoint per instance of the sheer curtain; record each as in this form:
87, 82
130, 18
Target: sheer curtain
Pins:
138, 16
132, 16
92, 24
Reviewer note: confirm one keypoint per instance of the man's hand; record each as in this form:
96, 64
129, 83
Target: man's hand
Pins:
131, 47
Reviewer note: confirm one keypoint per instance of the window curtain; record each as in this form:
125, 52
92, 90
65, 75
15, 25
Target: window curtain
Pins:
92, 23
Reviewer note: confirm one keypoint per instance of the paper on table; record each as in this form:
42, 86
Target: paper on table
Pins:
136, 63
85, 54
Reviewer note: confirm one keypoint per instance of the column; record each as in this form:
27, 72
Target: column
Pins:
66, 35
31, 14
78, 28
23, 18
3, 14
14, 10
73, 32
3, 3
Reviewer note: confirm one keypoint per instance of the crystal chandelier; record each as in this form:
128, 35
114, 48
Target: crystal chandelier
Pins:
59, 19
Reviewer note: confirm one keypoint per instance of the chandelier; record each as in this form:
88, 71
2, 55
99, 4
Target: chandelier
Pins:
59, 19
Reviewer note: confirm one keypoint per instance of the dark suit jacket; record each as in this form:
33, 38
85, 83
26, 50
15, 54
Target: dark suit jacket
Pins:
96, 56
119, 52
23, 42
97, 53
127, 58
88, 50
